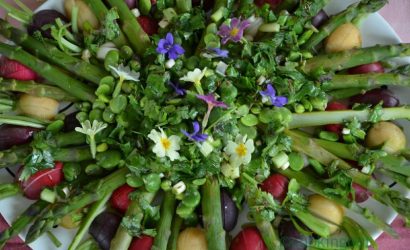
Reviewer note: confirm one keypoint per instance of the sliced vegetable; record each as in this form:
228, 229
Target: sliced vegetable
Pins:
326, 210
12, 135
141, 243
120, 198
345, 37
386, 135
248, 239
12, 69
276, 185
375, 67
192, 238
38, 107
103, 228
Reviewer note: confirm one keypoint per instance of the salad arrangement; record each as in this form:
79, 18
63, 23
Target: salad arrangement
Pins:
187, 112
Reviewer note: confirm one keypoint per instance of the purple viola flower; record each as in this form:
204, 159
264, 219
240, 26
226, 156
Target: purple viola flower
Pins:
212, 103
270, 93
219, 52
167, 46
196, 135
177, 88
233, 32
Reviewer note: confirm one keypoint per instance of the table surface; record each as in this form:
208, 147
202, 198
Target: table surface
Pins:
397, 14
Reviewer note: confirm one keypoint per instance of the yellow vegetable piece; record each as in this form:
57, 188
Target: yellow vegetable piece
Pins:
38, 107
192, 238
386, 135
345, 37
85, 14
327, 210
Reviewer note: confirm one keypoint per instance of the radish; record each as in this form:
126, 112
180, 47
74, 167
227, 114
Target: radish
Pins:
12, 69
276, 185
42, 179
120, 200
375, 67
141, 243
361, 194
248, 239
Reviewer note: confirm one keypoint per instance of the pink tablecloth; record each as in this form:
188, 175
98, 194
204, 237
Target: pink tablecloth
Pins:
397, 13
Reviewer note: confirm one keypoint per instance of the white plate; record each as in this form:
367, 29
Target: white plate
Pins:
375, 30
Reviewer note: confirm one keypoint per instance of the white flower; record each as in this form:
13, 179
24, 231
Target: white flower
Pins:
90, 131
164, 145
206, 147
240, 151
125, 73
194, 76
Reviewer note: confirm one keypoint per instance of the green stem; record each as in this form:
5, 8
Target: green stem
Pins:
345, 93
351, 58
122, 238
9, 189
22, 221
137, 37
22, 121
212, 214
366, 81
164, 228
269, 235
94, 211
333, 117
176, 227
49, 72
36, 89
72, 154
19, 15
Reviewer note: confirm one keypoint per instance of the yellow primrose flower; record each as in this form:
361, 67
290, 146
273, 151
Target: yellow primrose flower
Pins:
240, 151
164, 145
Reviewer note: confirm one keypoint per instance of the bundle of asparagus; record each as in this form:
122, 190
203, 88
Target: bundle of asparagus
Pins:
186, 110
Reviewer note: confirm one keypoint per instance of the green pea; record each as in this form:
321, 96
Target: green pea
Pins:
166, 185
109, 159
103, 89
71, 170
108, 116
184, 211
102, 147
85, 106
192, 197
55, 126
93, 169
299, 108
118, 104
98, 104
95, 114
126, 52
296, 161
152, 182
135, 181
109, 80
135, 65
81, 116
111, 59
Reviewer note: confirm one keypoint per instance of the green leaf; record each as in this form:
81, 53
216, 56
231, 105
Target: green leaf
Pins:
250, 120
296, 161
111, 29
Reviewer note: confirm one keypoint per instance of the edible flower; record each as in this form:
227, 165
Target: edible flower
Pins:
196, 135
123, 73
211, 102
217, 52
233, 32
167, 46
195, 76
240, 151
90, 131
164, 145
270, 93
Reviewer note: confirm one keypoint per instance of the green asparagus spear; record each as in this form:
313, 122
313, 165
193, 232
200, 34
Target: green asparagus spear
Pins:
164, 227
36, 89
136, 35
351, 58
100, 11
52, 54
212, 214
322, 117
366, 81
364, 7
49, 72
33, 211
9, 189
22, 121
105, 186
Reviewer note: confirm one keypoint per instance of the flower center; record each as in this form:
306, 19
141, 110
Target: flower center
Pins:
241, 150
234, 31
165, 143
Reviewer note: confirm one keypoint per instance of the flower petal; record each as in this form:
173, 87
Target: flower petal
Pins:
154, 136
159, 150
196, 127
173, 155
280, 101
170, 38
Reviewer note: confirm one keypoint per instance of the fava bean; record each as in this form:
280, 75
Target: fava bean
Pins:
152, 182
96, 114
108, 116
109, 159
126, 52
118, 104
111, 59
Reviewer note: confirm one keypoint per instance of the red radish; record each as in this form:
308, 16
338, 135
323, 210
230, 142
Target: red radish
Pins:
248, 239
332, 106
153, 2
149, 25
12, 69
276, 185
273, 3
120, 200
361, 194
142, 243
44, 178
367, 68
